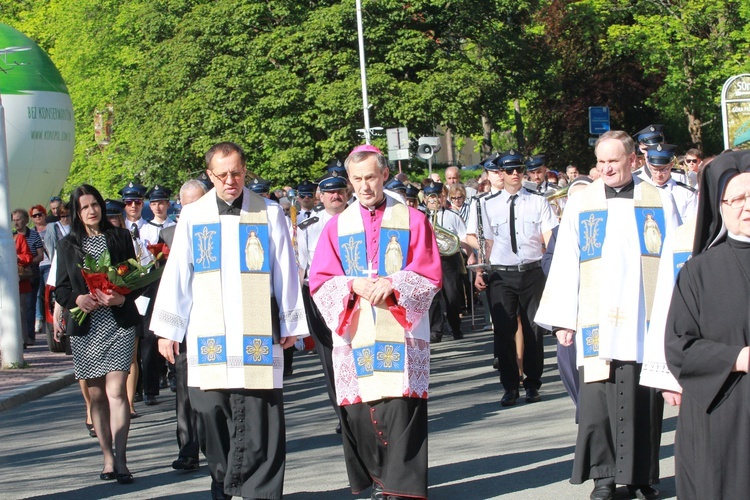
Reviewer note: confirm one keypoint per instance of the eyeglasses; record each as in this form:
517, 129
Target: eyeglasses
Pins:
737, 201
65, 216
304, 195
456, 198
39, 214
223, 177
137, 203
691, 160
512, 170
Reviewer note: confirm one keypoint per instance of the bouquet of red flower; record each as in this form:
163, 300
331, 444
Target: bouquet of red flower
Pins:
123, 278
160, 251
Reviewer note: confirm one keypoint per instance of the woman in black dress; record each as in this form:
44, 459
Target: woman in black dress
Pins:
103, 345
707, 339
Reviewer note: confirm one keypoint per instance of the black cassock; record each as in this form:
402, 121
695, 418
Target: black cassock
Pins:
707, 326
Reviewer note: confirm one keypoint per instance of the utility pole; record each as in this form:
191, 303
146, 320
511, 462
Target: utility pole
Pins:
363, 73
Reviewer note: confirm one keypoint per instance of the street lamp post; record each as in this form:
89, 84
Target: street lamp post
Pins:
363, 72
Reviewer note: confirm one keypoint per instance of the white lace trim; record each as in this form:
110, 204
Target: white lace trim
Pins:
331, 298
417, 381
415, 294
345, 375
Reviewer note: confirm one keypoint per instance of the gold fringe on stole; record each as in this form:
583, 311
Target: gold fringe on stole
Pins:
376, 324
256, 304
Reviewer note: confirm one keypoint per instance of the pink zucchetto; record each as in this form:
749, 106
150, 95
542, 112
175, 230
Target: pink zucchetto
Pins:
365, 148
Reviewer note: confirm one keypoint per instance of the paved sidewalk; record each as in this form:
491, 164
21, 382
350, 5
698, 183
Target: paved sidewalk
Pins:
46, 373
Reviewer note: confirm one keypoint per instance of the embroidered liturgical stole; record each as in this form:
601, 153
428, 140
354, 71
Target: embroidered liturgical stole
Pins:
608, 307
377, 338
255, 300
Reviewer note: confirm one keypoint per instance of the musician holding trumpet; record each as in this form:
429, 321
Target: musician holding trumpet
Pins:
450, 232
516, 226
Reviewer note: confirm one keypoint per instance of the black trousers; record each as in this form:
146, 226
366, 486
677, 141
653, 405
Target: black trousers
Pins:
385, 442
187, 420
511, 292
451, 295
245, 439
323, 345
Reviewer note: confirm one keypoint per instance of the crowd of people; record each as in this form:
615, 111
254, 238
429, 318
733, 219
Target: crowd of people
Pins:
369, 270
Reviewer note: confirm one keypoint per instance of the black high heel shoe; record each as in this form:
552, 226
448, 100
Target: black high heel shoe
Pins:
91, 430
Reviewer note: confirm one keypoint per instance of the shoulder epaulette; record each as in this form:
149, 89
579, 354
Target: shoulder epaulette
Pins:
490, 195
532, 192
318, 207
689, 188
308, 222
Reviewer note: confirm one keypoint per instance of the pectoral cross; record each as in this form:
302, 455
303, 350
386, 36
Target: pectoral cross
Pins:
615, 317
370, 272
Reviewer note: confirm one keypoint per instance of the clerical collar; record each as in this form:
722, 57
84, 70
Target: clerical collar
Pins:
738, 237
230, 209
373, 209
625, 192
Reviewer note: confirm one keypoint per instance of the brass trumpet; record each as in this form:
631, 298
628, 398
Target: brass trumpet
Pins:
554, 196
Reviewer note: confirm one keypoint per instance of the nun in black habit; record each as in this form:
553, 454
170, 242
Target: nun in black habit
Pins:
707, 338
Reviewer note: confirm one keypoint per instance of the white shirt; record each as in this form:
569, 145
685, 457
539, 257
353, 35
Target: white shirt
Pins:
307, 239
450, 220
685, 199
533, 218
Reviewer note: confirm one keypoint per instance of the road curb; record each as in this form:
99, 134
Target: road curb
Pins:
36, 390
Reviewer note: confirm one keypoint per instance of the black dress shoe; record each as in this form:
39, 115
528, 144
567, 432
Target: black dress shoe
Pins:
185, 463
150, 400
138, 397
108, 476
377, 492
496, 364
603, 492
338, 428
124, 478
532, 396
643, 492
217, 491
458, 336
435, 338
509, 398
173, 385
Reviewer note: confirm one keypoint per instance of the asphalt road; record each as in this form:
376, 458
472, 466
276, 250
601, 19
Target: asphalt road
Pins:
477, 449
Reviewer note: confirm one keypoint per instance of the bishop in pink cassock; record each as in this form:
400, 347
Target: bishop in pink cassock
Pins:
373, 276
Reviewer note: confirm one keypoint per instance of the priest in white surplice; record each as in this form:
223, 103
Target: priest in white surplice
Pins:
600, 290
231, 289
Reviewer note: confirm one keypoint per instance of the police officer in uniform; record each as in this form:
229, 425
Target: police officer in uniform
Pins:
659, 161
153, 364
649, 136
334, 194
517, 225
451, 295
537, 170
306, 199
411, 195
396, 186
259, 186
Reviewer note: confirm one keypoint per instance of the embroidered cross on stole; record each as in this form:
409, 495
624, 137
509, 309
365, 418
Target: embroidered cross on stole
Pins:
592, 220
377, 337
257, 357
